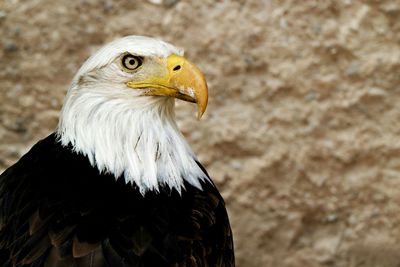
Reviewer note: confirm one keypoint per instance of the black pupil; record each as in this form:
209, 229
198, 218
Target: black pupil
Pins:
132, 61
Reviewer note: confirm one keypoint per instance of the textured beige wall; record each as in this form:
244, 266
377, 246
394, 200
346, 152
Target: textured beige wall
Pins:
302, 129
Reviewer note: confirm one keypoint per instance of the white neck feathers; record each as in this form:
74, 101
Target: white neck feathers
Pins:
131, 137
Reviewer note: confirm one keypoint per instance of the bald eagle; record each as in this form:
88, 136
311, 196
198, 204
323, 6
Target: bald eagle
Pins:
117, 184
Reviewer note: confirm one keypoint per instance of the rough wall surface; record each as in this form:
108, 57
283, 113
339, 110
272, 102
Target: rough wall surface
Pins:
302, 129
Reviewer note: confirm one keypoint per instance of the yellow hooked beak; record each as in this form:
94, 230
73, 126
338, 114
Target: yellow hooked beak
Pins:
179, 78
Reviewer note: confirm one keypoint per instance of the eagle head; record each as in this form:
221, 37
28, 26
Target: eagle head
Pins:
119, 112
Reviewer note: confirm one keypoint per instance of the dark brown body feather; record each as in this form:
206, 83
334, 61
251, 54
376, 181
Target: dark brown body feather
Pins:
56, 210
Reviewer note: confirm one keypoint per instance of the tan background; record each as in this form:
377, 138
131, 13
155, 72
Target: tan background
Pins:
302, 129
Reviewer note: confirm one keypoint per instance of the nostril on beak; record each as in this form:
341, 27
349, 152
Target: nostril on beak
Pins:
176, 68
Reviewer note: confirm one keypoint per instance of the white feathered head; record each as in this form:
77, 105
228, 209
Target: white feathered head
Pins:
119, 112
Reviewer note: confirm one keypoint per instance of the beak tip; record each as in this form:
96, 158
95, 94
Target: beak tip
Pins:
199, 114
201, 108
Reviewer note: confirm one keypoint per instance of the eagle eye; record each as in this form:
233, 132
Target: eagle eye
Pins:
131, 62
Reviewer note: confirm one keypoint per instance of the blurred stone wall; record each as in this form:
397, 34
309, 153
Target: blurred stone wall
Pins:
302, 129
